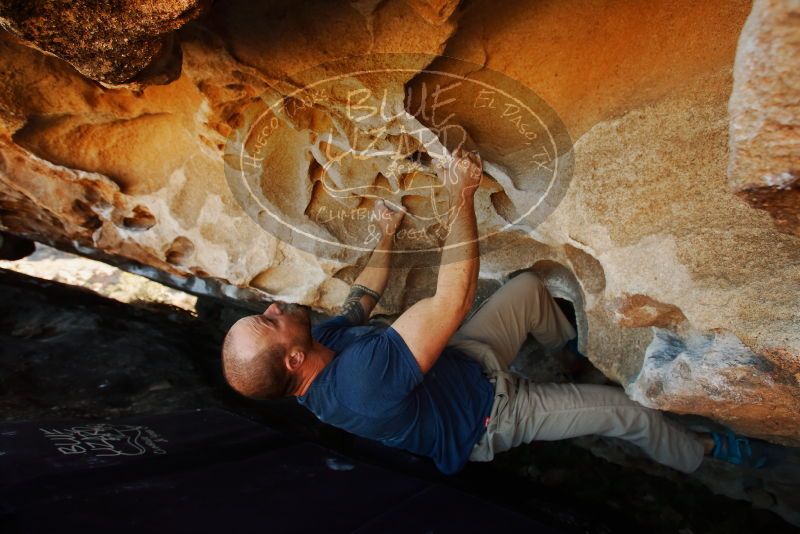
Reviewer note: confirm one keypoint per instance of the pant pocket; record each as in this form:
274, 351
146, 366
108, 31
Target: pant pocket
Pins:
502, 423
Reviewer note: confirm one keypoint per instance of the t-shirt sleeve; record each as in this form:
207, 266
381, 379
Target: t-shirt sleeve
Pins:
376, 373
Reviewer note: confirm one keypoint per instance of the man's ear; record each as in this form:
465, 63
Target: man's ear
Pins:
295, 359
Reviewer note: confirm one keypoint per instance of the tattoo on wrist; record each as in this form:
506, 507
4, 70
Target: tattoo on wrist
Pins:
352, 308
366, 291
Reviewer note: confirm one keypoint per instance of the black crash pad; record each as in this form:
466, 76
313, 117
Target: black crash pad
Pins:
205, 471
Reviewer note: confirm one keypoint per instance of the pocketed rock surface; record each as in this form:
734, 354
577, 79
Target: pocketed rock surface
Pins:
674, 235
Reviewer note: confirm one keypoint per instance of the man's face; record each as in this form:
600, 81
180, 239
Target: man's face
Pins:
284, 324
288, 315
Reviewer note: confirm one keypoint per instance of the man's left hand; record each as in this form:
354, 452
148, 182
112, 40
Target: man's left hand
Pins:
388, 219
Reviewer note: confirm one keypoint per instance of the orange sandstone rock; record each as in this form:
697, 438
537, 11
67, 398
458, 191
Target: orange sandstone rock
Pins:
685, 294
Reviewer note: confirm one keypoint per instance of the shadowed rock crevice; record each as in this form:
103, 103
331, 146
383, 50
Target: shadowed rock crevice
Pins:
562, 283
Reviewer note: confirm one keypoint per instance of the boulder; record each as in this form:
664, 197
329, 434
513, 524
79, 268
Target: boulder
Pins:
764, 167
252, 175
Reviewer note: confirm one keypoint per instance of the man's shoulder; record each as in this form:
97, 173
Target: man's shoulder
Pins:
375, 368
338, 321
360, 345
338, 332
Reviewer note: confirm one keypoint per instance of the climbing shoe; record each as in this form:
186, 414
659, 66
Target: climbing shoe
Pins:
739, 450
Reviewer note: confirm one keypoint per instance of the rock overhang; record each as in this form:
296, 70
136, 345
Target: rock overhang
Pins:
654, 240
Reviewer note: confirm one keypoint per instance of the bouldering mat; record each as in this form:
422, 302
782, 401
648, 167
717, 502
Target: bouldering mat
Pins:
208, 470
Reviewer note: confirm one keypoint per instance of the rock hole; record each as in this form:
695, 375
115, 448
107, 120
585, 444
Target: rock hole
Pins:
503, 206
15, 248
568, 310
563, 285
578, 369
197, 271
141, 219
180, 251
420, 157
90, 219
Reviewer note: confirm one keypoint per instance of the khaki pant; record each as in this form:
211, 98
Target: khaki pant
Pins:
524, 411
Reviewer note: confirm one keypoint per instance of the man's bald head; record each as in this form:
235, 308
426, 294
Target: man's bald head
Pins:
253, 364
260, 352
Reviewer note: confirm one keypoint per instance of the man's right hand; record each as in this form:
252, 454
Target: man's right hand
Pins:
462, 175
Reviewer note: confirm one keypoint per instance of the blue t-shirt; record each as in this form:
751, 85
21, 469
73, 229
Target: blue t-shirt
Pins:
374, 388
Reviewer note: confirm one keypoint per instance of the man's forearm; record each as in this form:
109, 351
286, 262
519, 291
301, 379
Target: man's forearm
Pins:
376, 273
460, 263
369, 285
427, 326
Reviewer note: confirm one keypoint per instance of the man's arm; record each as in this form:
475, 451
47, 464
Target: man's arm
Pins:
427, 326
370, 284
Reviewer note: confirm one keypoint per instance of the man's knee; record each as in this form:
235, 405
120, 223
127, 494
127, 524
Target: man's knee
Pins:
530, 280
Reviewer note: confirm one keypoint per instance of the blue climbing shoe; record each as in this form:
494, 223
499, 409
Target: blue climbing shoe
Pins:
738, 450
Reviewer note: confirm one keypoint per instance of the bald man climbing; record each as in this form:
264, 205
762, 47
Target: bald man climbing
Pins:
432, 385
